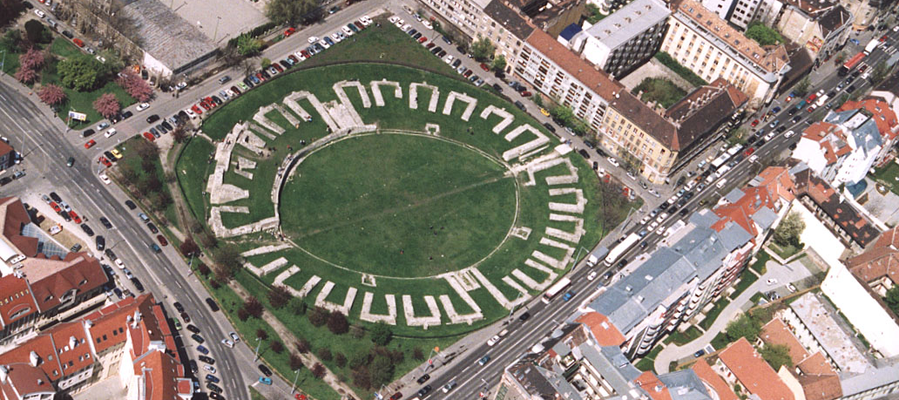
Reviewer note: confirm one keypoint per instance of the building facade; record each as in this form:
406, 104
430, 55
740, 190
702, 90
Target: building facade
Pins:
626, 39
822, 28
706, 44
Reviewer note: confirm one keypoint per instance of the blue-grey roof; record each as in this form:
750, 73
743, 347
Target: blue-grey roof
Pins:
867, 136
631, 20
734, 195
839, 117
685, 385
697, 255
570, 31
872, 378
765, 217
613, 365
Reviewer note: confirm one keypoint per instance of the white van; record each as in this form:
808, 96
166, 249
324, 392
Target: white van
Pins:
721, 183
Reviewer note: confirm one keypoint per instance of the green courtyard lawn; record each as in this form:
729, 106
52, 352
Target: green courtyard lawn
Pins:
784, 252
747, 278
889, 177
659, 90
714, 312
682, 338
82, 102
647, 363
761, 258
10, 58
129, 156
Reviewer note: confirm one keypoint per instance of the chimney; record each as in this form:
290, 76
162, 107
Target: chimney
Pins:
34, 359
72, 342
136, 319
4, 372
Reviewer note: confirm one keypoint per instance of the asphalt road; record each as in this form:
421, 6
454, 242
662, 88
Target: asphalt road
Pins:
472, 379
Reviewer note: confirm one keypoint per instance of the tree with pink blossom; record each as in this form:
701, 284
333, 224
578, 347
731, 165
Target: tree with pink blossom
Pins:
26, 75
32, 59
107, 105
52, 95
135, 86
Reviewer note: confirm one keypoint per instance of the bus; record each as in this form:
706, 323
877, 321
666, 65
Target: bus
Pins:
851, 64
554, 290
622, 248
718, 162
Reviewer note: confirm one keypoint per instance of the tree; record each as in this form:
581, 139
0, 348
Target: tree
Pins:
150, 184
289, 11
499, 63
32, 59
381, 370
248, 45
34, 31
188, 247
79, 73
417, 354
381, 334
129, 173
279, 296
318, 371
337, 323
762, 34
254, 307
261, 334
482, 49
265, 63
776, 355
161, 199
787, 233
303, 346
146, 149
203, 269
361, 377
295, 362
135, 86
26, 75
228, 258
107, 105
179, 133
802, 87
340, 359
880, 73
10, 11
892, 299
744, 327
318, 316
277, 346
324, 353
52, 95
297, 305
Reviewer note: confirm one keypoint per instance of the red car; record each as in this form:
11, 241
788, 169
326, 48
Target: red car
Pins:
467, 73
235, 90
305, 53
75, 217
89, 144
754, 123
485, 67
811, 98
105, 162
526, 94
290, 31
162, 240
749, 151
278, 67
55, 206
422, 39
149, 136
209, 101
396, 396
196, 109
205, 105
260, 77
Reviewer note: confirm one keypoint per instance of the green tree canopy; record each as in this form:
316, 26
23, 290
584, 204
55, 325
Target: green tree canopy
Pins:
776, 355
787, 233
34, 31
289, 11
381, 370
744, 327
892, 299
248, 45
801, 88
482, 49
762, 34
499, 63
381, 334
79, 73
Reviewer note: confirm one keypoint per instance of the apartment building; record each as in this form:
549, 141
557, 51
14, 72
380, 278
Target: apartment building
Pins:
821, 27
812, 370
707, 45
40, 282
741, 364
841, 148
625, 40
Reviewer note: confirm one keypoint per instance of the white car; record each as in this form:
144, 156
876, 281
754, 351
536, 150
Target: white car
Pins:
324, 44
119, 263
365, 20
771, 281
653, 225
449, 59
591, 276
209, 368
494, 340
228, 343
661, 217
753, 158
645, 219
110, 133
407, 27
427, 24
105, 179
143, 106
234, 336
613, 161
347, 31
393, 19
190, 113
336, 37
312, 39
40, 13
789, 133
661, 231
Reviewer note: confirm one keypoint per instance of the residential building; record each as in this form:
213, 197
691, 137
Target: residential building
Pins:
820, 26
813, 323
675, 282
813, 372
155, 36
40, 282
741, 363
888, 90
740, 12
884, 116
865, 12
127, 345
705, 43
7, 155
841, 148
625, 40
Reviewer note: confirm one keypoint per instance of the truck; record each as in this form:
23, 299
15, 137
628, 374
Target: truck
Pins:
871, 46
622, 248
821, 100
597, 255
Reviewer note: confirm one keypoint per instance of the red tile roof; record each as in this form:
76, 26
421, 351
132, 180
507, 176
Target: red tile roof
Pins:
160, 374
778, 182
16, 298
879, 260
23, 380
72, 348
713, 380
12, 218
777, 333
605, 332
109, 324
754, 374
883, 115
5, 148
594, 79
741, 212
818, 379
42, 345
52, 279
652, 385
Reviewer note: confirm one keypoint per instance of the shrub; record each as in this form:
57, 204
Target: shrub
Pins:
254, 307
357, 331
262, 334
340, 359
188, 247
361, 377
215, 284
32, 59
107, 105
417, 354
303, 346
52, 95
279, 296
381, 334
318, 370
318, 316
337, 323
135, 86
242, 313
324, 353
295, 362
26, 76
277, 346
298, 306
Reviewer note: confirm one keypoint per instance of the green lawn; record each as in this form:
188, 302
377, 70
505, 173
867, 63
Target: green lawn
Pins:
647, 362
682, 338
747, 278
679, 69
889, 177
10, 58
82, 102
399, 205
784, 252
661, 91
132, 158
761, 258
714, 312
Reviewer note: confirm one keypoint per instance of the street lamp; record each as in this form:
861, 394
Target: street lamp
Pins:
258, 343
216, 32
292, 388
3, 62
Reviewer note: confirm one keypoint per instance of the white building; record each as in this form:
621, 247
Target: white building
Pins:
842, 148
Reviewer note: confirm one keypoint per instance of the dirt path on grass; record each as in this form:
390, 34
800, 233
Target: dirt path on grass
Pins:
288, 338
